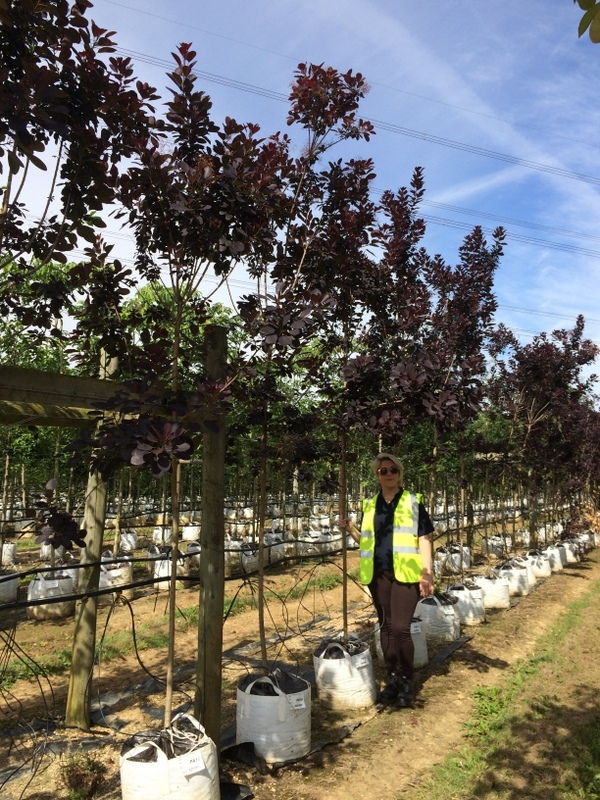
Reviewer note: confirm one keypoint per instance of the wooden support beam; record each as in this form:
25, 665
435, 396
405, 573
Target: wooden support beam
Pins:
13, 413
22, 385
33, 397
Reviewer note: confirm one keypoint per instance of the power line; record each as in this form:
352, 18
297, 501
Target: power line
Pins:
481, 151
511, 220
445, 103
385, 126
532, 312
519, 237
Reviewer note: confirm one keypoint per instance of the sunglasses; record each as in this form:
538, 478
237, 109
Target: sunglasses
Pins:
391, 470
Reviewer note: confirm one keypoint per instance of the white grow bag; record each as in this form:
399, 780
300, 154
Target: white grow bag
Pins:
128, 541
163, 566
278, 724
470, 607
113, 576
182, 765
189, 533
9, 586
161, 535
452, 559
496, 593
46, 551
344, 674
417, 634
521, 561
555, 557
9, 554
440, 620
248, 555
516, 575
49, 585
572, 551
493, 546
540, 564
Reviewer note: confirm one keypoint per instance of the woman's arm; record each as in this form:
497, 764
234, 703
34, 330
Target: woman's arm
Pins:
426, 582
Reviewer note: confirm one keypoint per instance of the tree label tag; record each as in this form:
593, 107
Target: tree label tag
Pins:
51, 584
191, 763
297, 700
361, 660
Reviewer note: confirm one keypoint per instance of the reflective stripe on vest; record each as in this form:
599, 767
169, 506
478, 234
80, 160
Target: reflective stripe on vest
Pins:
406, 559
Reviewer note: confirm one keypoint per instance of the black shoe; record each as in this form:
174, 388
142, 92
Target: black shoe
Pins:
390, 691
406, 693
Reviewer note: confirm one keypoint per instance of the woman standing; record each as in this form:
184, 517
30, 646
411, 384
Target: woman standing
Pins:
395, 563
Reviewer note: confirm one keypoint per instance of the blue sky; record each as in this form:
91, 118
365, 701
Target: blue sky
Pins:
510, 79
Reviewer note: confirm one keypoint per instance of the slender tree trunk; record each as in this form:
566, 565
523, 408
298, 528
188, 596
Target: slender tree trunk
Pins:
175, 488
23, 489
117, 539
433, 472
57, 452
69, 504
5, 490
343, 490
262, 507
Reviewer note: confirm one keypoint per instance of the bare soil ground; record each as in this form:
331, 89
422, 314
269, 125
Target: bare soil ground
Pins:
389, 751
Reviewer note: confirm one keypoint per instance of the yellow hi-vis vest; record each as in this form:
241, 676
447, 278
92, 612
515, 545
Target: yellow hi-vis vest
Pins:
406, 559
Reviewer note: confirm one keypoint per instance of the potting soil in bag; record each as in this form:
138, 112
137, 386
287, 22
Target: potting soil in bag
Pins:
177, 763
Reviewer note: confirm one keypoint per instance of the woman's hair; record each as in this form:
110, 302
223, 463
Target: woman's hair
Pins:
388, 457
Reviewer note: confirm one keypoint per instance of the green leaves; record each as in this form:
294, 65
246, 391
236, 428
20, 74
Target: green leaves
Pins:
590, 20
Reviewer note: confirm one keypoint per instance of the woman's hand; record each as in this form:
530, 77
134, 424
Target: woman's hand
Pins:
426, 584
347, 524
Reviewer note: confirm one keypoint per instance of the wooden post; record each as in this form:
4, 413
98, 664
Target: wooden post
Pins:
207, 706
78, 713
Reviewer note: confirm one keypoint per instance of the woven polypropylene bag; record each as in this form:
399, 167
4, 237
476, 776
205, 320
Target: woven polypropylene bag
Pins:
347, 681
50, 585
179, 763
470, 607
278, 724
496, 592
440, 620
518, 580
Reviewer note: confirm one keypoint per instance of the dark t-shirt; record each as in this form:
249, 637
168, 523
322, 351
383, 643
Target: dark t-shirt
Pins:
384, 529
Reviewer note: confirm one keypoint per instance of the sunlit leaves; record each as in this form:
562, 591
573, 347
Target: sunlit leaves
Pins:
590, 20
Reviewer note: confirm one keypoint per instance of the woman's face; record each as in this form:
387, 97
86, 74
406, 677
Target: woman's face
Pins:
388, 474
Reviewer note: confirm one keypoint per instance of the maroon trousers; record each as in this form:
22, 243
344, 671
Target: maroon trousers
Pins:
395, 604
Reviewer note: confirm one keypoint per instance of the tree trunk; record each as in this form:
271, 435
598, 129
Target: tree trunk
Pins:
262, 507
343, 490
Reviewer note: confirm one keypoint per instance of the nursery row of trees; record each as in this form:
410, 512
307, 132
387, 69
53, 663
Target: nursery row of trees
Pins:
355, 337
